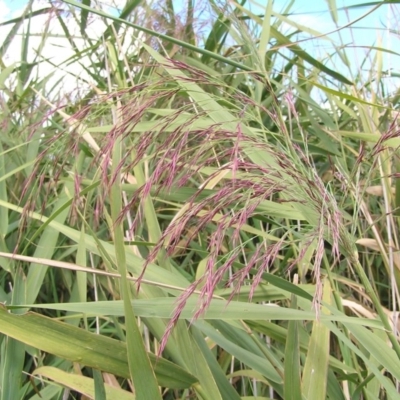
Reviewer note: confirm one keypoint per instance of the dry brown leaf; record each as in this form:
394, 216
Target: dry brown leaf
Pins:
369, 243
377, 190
111, 380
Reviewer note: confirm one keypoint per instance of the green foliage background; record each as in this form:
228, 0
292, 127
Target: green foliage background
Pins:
212, 215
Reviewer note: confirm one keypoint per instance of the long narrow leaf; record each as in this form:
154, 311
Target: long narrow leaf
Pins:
78, 345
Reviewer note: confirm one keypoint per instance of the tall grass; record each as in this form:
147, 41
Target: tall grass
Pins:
212, 212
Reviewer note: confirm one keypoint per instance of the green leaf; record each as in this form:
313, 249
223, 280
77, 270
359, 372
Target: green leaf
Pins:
296, 49
84, 18
171, 39
100, 389
46, 246
78, 345
265, 32
371, 137
292, 379
4, 75
13, 356
163, 307
249, 358
333, 10
225, 388
83, 384
315, 373
141, 370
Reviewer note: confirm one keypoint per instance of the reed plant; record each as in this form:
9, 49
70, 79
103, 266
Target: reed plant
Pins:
194, 203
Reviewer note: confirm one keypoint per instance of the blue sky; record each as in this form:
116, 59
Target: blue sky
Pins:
311, 9
367, 32
14, 5
315, 14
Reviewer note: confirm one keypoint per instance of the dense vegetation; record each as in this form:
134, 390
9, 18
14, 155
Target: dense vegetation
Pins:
195, 202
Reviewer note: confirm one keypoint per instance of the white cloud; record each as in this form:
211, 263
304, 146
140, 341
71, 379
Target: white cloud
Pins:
48, 44
4, 10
